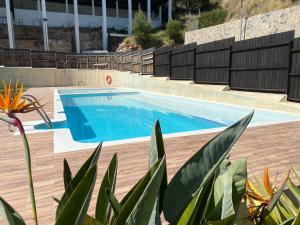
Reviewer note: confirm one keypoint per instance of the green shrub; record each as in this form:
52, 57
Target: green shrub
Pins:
211, 18
174, 31
142, 29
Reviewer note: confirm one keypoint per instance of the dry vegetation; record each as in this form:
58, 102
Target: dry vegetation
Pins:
254, 7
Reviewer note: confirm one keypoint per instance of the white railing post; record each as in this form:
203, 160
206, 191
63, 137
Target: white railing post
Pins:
10, 24
93, 7
45, 26
117, 9
104, 25
67, 6
38, 5
149, 10
160, 15
170, 7
129, 16
76, 22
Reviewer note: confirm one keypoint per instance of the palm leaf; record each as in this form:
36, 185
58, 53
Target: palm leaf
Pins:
9, 214
67, 174
138, 207
91, 161
75, 209
196, 172
103, 209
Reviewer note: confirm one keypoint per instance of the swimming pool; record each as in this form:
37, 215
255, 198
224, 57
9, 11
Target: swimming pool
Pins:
92, 118
109, 114
85, 117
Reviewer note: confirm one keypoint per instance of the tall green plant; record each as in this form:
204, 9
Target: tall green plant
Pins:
12, 103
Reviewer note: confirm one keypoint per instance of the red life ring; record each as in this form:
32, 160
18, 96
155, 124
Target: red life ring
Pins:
108, 80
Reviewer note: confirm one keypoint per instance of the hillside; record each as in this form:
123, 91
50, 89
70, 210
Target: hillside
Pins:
254, 7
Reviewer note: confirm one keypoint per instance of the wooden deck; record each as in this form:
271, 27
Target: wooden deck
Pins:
276, 146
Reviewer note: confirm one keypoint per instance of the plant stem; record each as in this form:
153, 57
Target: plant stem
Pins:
12, 119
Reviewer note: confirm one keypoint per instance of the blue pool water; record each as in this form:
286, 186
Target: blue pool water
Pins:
114, 114
107, 117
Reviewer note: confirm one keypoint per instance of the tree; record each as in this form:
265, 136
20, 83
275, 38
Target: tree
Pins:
174, 31
142, 29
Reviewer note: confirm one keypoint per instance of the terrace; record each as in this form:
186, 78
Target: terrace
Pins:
216, 72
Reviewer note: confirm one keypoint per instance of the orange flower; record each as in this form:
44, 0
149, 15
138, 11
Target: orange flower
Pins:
258, 199
257, 202
11, 103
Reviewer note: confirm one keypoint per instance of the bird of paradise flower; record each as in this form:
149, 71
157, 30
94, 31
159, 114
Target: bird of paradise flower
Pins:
11, 103
261, 204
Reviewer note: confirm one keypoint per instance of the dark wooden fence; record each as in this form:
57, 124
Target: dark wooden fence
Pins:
17, 57
162, 61
138, 61
294, 76
183, 62
212, 62
147, 61
261, 64
127, 61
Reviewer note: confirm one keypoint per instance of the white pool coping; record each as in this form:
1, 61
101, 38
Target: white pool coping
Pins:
63, 141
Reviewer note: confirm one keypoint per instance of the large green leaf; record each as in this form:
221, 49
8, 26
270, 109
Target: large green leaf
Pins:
297, 220
157, 152
9, 215
103, 209
75, 209
227, 204
188, 212
116, 206
294, 189
288, 222
276, 197
129, 193
236, 172
297, 173
138, 207
202, 206
67, 174
91, 161
193, 175
289, 205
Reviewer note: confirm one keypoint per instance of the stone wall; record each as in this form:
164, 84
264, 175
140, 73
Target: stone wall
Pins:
256, 26
60, 39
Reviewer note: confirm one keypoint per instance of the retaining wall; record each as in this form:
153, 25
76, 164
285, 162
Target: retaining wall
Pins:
36, 77
256, 26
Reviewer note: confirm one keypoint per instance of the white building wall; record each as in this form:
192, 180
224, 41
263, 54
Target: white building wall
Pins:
60, 19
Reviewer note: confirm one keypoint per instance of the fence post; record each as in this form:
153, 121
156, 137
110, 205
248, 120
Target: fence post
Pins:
170, 66
141, 62
194, 69
30, 53
153, 61
289, 70
229, 67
